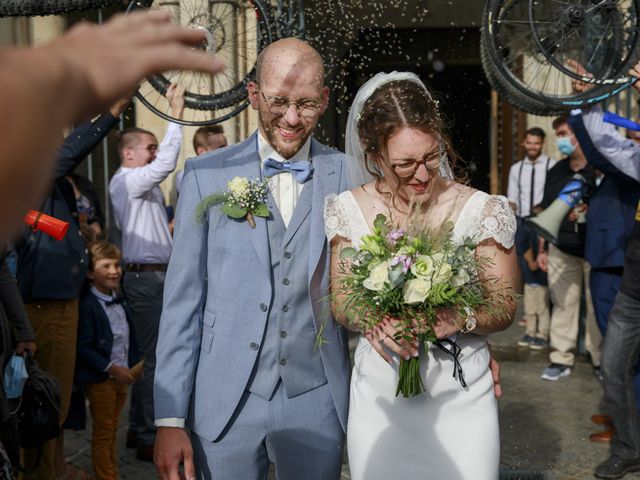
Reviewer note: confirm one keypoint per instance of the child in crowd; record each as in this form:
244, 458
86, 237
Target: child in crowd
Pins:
106, 351
536, 295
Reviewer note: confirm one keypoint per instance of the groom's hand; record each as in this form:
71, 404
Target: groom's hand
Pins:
173, 447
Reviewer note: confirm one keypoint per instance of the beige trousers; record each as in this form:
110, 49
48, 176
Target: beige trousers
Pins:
55, 323
537, 311
106, 400
567, 275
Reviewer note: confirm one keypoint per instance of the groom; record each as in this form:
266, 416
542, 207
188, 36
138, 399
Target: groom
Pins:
236, 361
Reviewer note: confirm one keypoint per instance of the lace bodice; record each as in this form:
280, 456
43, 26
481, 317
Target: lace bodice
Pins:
484, 216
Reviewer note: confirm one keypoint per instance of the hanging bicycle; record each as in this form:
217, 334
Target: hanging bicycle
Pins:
236, 30
531, 50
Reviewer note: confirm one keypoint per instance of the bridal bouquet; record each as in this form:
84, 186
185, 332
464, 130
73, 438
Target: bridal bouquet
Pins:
409, 275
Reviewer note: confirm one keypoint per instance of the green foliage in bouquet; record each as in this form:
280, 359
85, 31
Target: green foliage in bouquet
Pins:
409, 275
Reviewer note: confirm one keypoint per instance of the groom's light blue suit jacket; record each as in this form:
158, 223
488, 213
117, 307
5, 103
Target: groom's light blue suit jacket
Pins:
219, 292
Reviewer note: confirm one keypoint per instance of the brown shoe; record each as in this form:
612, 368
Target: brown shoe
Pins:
132, 439
601, 437
145, 453
601, 419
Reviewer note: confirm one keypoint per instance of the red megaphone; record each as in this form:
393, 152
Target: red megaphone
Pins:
39, 221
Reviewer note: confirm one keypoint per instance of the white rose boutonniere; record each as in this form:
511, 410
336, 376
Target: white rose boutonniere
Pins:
244, 199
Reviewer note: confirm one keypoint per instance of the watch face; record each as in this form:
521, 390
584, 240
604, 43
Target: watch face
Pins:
470, 323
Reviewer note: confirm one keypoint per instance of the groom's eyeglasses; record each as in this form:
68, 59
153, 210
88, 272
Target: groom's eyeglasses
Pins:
409, 168
306, 108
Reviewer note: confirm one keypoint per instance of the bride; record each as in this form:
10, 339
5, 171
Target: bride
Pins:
396, 137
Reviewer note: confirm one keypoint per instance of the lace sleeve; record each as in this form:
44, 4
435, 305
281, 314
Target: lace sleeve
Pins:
496, 220
335, 218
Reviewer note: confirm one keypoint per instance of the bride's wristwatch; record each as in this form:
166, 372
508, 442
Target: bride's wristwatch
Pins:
470, 322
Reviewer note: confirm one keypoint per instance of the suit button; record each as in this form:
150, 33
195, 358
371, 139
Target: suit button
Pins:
254, 346
287, 255
286, 281
283, 362
283, 334
285, 308
263, 307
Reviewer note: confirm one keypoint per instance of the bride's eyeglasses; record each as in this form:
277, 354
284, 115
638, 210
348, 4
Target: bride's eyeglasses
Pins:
431, 162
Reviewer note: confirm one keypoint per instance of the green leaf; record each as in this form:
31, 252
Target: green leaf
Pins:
261, 210
347, 253
380, 221
234, 211
396, 275
208, 202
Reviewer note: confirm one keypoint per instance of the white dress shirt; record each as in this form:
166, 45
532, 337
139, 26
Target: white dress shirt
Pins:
285, 191
519, 188
138, 203
283, 187
119, 328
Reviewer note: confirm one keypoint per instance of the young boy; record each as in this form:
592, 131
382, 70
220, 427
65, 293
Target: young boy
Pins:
536, 296
106, 351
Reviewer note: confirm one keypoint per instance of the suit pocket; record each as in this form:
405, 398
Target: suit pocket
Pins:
208, 321
207, 340
209, 318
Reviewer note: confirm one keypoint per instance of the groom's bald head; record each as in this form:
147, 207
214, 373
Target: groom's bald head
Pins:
290, 56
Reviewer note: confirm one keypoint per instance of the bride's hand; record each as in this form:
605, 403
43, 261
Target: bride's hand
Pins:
384, 335
445, 324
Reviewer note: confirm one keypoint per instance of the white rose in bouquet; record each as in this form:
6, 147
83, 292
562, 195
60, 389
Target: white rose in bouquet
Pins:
416, 290
442, 269
378, 276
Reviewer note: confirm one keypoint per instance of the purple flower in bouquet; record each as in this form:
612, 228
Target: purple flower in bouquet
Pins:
405, 260
394, 236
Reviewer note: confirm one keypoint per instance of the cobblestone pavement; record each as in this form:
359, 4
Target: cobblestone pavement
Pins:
544, 425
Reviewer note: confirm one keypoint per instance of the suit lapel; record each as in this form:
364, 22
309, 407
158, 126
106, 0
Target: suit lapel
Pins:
303, 207
326, 181
247, 164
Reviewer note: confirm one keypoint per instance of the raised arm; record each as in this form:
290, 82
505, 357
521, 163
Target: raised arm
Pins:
141, 180
70, 80
605, 148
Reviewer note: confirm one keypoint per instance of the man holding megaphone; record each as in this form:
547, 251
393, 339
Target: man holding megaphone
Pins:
561, 221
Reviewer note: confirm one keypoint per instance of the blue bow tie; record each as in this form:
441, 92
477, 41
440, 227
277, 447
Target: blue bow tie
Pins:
301, 171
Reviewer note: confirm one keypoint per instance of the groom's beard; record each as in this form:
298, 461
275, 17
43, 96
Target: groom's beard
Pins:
287, 147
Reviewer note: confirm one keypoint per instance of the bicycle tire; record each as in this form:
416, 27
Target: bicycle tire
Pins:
511, 95
607, 38
33, 8
233, 98
510, 83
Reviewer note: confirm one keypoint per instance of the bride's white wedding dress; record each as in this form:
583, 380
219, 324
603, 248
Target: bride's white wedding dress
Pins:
448, 432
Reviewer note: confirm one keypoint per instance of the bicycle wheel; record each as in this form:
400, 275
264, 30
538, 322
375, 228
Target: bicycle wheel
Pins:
31, 8
602, 36
236, 31
520, 72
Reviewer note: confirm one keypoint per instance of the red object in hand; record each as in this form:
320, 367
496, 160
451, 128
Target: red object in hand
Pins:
39, 221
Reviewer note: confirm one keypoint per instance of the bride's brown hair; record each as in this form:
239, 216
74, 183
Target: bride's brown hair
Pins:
393, 106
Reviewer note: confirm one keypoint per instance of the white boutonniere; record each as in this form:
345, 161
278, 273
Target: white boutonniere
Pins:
244, 199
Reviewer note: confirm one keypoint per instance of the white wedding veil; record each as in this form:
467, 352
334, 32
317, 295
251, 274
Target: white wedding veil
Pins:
356, 168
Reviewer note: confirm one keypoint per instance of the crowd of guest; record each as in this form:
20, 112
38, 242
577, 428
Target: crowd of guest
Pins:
576, 283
